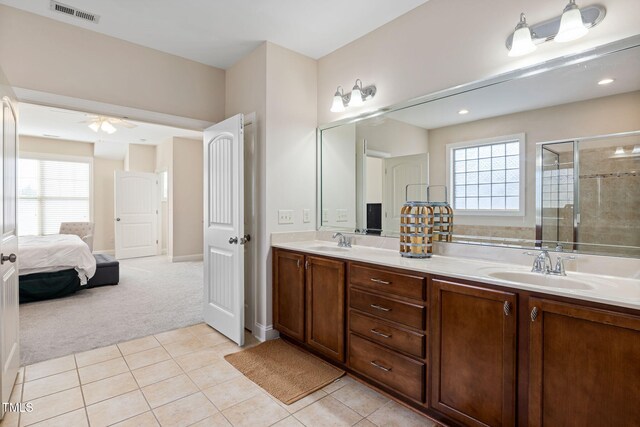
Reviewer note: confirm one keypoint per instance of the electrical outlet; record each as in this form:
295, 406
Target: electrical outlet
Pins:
325, 215
341, 215
285, 216
306, 215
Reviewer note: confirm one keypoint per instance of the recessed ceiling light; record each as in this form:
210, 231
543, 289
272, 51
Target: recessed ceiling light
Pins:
463, 112
605, 82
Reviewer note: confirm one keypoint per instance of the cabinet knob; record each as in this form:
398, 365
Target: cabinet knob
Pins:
380, 334
298, 263
507, 308
534, 314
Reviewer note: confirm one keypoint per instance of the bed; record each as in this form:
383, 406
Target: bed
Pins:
53, 266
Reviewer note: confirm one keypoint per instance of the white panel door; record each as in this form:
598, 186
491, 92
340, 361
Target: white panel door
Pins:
136, 220
398, 173
9, 296
224, 228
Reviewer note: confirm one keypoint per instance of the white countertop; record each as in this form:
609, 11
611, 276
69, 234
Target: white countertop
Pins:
611, 290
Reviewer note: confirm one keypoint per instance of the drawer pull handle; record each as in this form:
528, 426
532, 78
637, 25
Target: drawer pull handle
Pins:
373, 362
380, 334
379, 307
382, 282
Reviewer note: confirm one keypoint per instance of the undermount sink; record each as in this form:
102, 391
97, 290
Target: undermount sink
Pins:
329, 248
539, 279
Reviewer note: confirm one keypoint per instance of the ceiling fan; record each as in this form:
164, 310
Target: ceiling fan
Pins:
107, 124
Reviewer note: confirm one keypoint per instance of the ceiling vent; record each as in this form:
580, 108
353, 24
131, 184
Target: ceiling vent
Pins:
72, 11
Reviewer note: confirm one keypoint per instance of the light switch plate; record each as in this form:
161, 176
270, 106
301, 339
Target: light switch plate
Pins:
341, 215
306, 215
285, 216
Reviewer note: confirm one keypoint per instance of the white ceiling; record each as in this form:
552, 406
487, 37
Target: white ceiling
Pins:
58, 123
568, 84
220, 32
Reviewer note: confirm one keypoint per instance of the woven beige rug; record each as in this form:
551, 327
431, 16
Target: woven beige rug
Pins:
284, 371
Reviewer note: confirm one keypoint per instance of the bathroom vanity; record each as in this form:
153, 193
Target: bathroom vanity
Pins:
467, 342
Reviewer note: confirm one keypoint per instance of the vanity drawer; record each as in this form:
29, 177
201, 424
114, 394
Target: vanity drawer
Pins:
399, 372
394, 283
390, 309
385, 333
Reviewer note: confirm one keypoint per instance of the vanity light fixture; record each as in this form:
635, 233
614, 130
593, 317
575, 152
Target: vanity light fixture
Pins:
355, 98
338, 101
522, 39
604, 82
619, 151
463, 112
636, 149
571, 25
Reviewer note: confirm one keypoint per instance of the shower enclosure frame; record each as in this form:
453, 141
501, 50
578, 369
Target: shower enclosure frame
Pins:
576, 181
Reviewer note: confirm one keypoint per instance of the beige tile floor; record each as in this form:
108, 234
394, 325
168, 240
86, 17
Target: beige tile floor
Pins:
180, 378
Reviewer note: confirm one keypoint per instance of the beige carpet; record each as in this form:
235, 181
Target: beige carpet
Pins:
154, 295
287, 373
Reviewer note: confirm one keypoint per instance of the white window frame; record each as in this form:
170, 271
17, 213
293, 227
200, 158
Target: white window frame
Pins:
63, 158
521, 138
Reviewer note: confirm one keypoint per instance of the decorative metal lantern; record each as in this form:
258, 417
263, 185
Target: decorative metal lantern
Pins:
420, 221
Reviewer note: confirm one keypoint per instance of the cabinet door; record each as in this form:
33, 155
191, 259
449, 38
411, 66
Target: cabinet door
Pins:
288, 294
325, 306
584, 366
473, 367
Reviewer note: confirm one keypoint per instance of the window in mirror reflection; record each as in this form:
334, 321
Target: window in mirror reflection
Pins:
486, 176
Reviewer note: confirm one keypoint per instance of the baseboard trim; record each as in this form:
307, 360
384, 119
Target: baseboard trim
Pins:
183, 258
106, 252
264, 333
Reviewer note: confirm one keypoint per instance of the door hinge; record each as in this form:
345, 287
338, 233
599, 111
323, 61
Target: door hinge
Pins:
157, 242
156, 211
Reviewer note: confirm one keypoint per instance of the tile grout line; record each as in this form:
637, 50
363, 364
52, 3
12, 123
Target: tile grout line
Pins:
84, 401
140, 388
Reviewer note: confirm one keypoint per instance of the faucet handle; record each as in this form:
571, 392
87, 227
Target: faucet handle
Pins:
559, 269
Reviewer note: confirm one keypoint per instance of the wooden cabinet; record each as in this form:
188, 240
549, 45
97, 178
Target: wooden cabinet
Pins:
584, 366
288, 293
309, 301
325, 306
473, 354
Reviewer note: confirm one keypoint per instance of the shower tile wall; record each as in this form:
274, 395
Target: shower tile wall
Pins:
609, 199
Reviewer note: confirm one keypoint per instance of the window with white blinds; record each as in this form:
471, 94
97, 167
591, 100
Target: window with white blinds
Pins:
51, 191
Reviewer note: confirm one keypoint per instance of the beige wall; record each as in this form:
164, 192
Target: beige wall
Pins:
103, 182
140, 158
46, 55
444, 43
279, 85
187, 189
599, 116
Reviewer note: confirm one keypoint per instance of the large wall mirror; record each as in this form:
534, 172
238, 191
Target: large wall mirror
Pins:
548, 156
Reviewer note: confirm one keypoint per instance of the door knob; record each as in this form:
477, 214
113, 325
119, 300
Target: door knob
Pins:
245, 239
117, 219
11, 258
233, 240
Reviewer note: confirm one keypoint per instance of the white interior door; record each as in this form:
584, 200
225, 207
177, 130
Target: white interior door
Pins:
224, 227
250, 219
398, 173
9, 296
136, 214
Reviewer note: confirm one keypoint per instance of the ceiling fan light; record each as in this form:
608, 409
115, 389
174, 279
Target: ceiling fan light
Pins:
94, 126
107, 127
571, 24
522, 42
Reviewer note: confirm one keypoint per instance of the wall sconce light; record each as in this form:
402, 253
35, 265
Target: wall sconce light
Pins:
571, 25
355, 98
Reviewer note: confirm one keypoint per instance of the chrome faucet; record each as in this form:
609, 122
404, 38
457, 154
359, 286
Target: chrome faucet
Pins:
542, 263
344, 241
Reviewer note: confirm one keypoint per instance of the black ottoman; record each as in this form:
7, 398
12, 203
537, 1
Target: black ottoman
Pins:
107, 271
